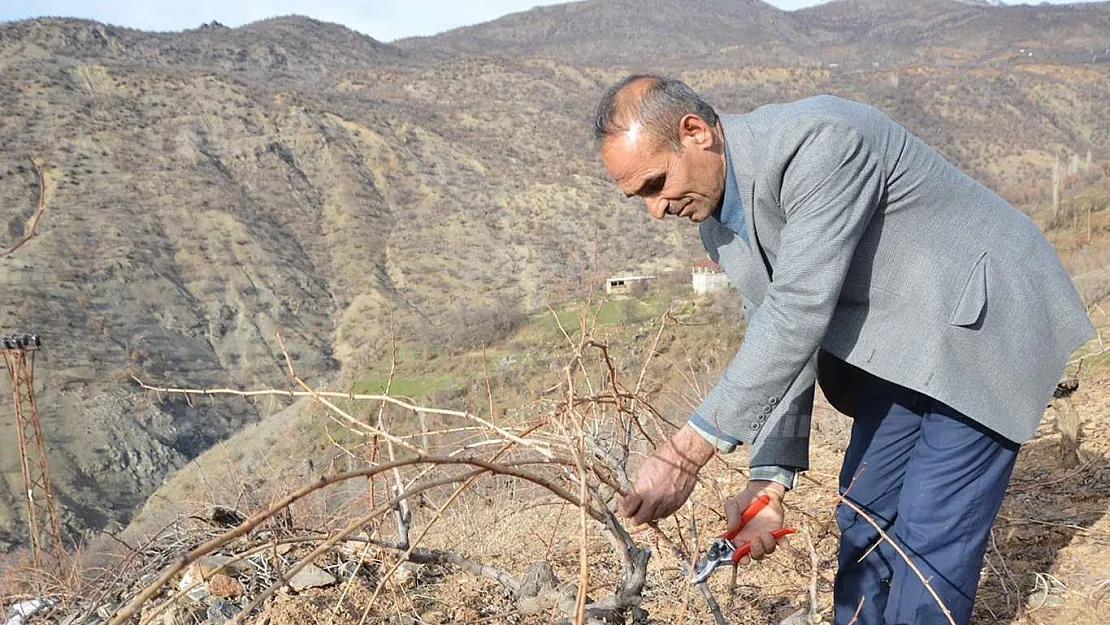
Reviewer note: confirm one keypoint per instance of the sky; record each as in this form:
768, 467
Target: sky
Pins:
384, 20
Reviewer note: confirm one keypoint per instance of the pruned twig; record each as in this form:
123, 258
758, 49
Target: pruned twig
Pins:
511, 469
924, 581
323, 396
815, 565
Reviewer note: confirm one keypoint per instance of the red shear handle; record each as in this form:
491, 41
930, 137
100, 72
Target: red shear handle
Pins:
755, 507
746, 548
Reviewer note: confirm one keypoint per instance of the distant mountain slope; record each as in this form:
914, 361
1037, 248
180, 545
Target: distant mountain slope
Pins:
293, 44
932, 30
195, 208
634, 32
720, 33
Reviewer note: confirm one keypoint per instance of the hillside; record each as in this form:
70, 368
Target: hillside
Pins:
962, 32
208, 189
291, 46
193, 211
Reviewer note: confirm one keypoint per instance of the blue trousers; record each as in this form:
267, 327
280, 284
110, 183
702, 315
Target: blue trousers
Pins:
934, 481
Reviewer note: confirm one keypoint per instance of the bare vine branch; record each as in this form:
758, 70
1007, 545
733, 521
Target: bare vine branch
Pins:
863, 515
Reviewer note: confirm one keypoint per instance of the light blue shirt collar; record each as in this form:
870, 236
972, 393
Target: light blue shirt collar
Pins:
731, 211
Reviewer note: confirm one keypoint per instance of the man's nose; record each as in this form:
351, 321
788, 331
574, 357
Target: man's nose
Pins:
657, 207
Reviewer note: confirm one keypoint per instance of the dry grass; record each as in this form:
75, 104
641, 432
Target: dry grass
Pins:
486, 508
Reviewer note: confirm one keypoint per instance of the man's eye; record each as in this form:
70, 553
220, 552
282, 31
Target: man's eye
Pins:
653, 186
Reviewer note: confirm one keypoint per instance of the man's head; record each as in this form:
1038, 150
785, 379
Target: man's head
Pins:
660, 141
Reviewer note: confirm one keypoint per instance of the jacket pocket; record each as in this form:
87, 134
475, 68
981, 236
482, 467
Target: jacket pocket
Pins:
972, 302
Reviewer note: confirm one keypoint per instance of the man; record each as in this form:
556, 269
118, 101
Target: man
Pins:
930, 310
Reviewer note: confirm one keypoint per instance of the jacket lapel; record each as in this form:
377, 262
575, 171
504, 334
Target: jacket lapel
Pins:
752, 277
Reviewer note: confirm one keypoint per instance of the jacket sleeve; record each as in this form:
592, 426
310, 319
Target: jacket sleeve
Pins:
831, 181
783, 448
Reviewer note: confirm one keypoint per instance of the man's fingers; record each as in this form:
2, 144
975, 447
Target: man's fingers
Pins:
734, 510
629, 504
758, 549
768, 543
732, 515
762, 546
645, 513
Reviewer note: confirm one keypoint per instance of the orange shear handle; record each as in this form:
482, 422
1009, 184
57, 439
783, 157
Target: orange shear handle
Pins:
753, 509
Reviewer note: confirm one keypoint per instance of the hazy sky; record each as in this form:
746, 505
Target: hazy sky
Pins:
382, 19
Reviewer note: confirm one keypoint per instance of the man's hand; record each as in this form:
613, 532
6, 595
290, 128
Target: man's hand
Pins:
759, 529
667, 477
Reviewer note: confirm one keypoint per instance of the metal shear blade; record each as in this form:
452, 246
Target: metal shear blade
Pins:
720, 552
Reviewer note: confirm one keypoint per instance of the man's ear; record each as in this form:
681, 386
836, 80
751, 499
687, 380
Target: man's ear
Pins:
693, 131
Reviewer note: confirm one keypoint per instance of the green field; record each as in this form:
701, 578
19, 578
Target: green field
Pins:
607, 313
528, 354
404, 386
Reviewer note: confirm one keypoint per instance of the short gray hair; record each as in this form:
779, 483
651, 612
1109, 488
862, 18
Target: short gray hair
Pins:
661, 105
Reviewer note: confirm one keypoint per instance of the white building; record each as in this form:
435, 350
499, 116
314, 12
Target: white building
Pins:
708, 277
628, 285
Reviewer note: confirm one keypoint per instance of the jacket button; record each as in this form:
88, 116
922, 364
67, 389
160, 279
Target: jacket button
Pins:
756, 426
773, 400
761, 418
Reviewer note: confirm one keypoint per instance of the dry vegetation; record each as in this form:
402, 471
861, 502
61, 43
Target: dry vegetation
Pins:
472, 514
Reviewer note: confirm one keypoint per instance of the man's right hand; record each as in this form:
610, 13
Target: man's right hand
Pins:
758, 530
665, 480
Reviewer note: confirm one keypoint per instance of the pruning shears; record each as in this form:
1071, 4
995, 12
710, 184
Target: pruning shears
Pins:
723, 550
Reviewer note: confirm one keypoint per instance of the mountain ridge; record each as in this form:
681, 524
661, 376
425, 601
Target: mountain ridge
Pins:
891, 32
267, 44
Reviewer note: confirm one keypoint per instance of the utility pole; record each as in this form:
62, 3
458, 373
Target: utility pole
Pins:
42, 511
1055, 187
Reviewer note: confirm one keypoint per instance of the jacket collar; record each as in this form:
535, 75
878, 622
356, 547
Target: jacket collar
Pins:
731, 212
738, 215
739, 142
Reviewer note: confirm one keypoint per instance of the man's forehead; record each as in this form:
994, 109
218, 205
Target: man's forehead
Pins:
629, 155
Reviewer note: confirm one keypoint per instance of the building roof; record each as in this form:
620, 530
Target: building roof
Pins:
706, 264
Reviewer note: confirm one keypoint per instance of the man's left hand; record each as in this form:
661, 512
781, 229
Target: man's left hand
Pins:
664, 481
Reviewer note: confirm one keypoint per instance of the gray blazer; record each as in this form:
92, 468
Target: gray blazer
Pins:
864, 244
